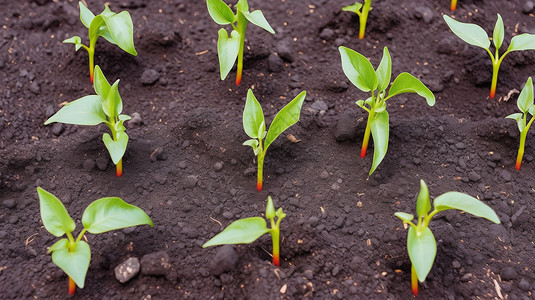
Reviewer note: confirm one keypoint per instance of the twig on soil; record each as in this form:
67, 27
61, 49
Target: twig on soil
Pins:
216, 221
30, 239
498, 288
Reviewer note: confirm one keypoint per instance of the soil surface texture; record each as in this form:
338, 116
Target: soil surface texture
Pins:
187, 168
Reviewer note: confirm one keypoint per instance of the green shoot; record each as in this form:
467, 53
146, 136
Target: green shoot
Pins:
476, 36
421, 243
105, 214
255, 126
453, 5
230, 48
115, 28
362, 11
248, 230
360, 72
104, 107
526, 105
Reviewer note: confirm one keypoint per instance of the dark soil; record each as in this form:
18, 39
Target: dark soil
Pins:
186, 166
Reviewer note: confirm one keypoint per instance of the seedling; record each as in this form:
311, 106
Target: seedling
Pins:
230, 48
476, 36
104, 107
526, 105
255, 126
115, 28
362, 11
360, 72
102, 215
421, 243
248, 230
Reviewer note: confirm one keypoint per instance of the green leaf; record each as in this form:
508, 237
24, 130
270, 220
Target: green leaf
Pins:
498, 34
470, 33
405, 217
220, 12
353, 8
253, 117
74, 262
227, 51
242, 6
253, 143
55, 217
380, 129
522, 42
422, 249
464, 202
270, 209
122, 31
98, 28
112, 213
116, 148
406, 83
519, 118
423, 205
100, 83
84, 111
86, 16
113, 105
384, 71
244, 231
58, 245
285, 118
257, 17
358, 69
381, 108
76, 40
525, 99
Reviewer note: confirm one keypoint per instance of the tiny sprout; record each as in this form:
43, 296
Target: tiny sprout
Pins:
360, 72
476, 36
115, 28
230, 48
421, 243
254, 125
526, 105
362, 11
102, 215
248, 230
104, 107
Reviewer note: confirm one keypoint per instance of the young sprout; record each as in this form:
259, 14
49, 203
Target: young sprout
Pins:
255, 126
104, 107
102, 215
362, 11
453, 5
230, 48
115, 28
476, 36
526, 105
360, 72
248, 230
421, 243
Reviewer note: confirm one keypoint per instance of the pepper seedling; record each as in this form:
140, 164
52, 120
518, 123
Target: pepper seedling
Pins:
115, 28
104, 107
476, 36
102, 215
526, 105
421, 243
255, 126
362, 11
360, 72
248, 230
230, 48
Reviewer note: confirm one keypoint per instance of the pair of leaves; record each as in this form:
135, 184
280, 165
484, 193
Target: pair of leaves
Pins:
102, 215
356, 7
477, 36
421, 244
115, 28
254, 122
361, 73
223, 15
525, 104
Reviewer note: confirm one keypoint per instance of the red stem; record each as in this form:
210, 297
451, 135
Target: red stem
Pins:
72, 286
518, 163
119, 168
276, 260
492, 93
259, 184
414, 281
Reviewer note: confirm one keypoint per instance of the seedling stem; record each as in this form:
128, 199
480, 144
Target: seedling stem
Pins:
414, 281
72, 286
259, 177
364, 18
242, 25
275, 237
453, 5
367, 135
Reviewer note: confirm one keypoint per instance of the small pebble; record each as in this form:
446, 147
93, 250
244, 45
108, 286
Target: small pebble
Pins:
218, 166
34, 88
190, 181
127, 269
102, 163
324, 175
89, 164
149, 77
9, 203
58, 128
528, 7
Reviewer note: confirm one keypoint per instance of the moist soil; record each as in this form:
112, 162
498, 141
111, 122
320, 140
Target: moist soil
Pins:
187, 168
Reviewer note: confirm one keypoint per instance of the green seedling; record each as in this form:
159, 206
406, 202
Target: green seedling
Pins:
230, 48
104, 107
476, 36
115, 28
526, 105
255, 126
453, 5
421, 243
248, 230
362, 11
360, 72
102, 215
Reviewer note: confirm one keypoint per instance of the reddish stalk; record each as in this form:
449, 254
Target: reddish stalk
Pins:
72, 286
492, 92
366, 138
414, 281
453, 5
238, 77
119, 168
